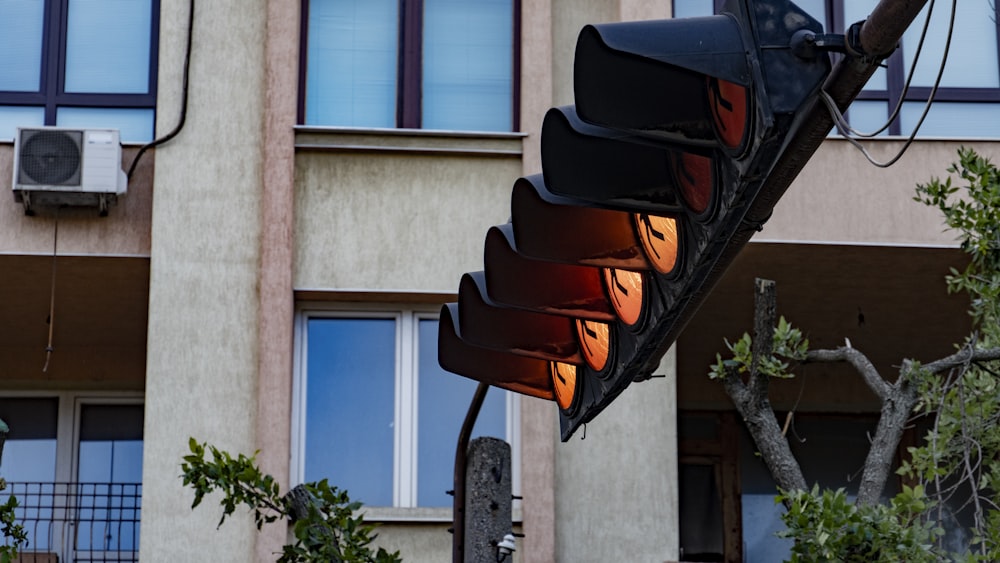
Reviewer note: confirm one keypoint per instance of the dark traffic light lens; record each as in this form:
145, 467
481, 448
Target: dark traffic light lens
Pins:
729, 103
695, 180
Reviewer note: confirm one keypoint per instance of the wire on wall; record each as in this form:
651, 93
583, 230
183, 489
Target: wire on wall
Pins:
52, 293
184, 98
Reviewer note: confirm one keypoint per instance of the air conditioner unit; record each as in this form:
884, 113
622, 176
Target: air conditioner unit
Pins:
63, 166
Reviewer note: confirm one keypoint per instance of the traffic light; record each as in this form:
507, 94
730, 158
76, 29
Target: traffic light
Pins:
676, 127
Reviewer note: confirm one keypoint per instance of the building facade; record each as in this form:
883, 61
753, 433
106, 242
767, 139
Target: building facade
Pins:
271, 280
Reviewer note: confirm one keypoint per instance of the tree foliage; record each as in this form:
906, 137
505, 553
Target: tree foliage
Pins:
325, 524
958, 462
13, 532
828, 527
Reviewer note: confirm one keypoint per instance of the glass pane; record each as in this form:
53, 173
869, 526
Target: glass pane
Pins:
29, 456
108, 475
12, 117
443, 403
350, 406
953, 119
107, 46
21, 45
855, 11
134, 125
868, 116
110, 444
351, 63
972, 59
693, 8
761, 523
831, 451
701, 526
816, 9
468, 57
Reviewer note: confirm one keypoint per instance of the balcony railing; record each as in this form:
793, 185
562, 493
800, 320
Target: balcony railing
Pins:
79, 522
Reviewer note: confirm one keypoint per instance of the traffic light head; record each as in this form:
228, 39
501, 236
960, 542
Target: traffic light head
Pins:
645, 184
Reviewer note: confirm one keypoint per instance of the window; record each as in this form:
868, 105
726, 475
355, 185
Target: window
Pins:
432, 64
967, 103
79, 63
74, 462
727, 508
375, 414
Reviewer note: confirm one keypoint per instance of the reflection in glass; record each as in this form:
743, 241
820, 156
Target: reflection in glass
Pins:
443, 401
350, 406
468, 65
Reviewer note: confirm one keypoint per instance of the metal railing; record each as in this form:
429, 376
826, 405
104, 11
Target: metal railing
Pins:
79, 522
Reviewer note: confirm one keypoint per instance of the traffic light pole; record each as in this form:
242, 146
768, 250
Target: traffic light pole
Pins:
461, 459
874, 41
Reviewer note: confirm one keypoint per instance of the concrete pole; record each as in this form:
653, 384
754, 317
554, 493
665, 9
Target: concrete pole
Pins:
488, 499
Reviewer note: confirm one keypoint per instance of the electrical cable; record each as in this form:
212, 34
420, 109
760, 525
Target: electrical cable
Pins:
843, 127
52, 293
184, 98
906, 85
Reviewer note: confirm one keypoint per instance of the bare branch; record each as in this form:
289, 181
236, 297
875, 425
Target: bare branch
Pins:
751, 399
896, 408
963, 357
861, 364
765, 304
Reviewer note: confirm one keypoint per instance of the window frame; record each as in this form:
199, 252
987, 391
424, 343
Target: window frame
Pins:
409, 66
896, 73
51, 94
69, 410
406, 404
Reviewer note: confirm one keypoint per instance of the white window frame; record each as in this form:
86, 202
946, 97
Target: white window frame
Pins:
69, 408
405, 446
68, 411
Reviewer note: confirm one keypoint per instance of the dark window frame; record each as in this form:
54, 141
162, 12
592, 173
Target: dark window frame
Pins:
896, 68
409, 65
896, 73
52, 83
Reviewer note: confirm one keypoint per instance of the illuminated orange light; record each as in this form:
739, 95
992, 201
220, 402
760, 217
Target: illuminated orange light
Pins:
625, 289
694, 178
564, 383
659, 240
728, 103
595, 342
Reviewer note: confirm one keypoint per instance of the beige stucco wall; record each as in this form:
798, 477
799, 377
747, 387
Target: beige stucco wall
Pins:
203, 275
840, 197
396, 222
123, 232
616, 481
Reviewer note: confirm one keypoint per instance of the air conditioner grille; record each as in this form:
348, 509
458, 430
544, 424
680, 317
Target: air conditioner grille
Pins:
50, 158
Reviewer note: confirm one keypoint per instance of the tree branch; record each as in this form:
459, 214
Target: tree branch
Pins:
765, 316
962, 357
751, 399
859, 362
897, 405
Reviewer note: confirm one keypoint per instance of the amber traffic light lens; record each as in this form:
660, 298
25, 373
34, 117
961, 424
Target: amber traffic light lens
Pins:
564, 383
729, 103
625, 290
659, 240
595, 342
